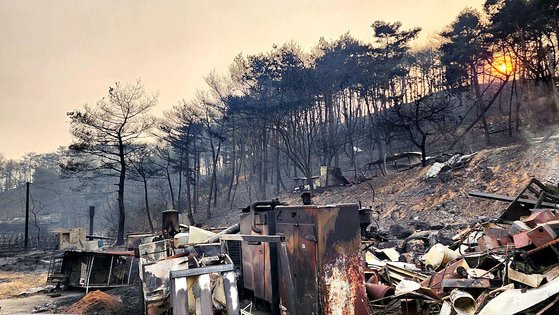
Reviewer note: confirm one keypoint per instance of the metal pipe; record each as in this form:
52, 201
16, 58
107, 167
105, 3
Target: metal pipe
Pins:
130, 271
89, 275
462, 302
26, 239
110, 270
272, 203
91, 217
307, 198
378, 291
230, 230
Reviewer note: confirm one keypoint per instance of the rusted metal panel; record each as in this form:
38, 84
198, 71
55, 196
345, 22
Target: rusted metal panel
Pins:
540, 216
541, 235
496, 232
504, 241
518, 227
485, 242
340, 257
306, 276
256, 259
521, 240
295, 224
246, 254
435, 281
323, 250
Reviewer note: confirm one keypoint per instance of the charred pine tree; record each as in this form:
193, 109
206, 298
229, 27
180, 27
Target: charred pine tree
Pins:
181, 128
106, 134
428, 116
143, 169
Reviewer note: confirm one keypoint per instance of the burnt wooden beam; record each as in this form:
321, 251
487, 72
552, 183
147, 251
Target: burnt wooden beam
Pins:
511, 199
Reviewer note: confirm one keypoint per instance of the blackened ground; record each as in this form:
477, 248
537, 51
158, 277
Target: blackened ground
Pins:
131, 298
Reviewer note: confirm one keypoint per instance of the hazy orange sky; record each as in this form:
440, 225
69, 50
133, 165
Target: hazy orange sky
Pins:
56, 56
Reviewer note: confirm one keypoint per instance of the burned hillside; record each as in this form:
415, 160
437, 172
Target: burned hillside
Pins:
409, 195
404, 166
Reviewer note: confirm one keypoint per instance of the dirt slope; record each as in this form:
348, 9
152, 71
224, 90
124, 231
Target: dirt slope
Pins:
404, 196
408, 195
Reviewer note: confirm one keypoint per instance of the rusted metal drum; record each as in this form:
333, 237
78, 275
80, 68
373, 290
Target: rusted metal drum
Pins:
378, 291
365, 217
170, 223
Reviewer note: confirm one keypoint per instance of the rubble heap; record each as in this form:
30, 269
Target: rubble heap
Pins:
96, 302
506, 265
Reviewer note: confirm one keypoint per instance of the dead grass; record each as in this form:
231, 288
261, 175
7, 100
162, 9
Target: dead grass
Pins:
14, 283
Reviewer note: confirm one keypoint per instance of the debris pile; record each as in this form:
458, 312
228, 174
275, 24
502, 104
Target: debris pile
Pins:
33, 261
506, 265
183, 269
96, 302
58, 303
440, 168
308, 259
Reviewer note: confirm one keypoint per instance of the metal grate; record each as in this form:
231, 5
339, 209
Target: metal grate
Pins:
55, 275
12, 242
234, 251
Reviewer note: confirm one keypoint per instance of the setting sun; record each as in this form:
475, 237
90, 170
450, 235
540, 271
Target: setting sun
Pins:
503, 65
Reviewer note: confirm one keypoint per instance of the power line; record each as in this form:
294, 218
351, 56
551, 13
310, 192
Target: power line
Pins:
69, 194
73, 194
10, 193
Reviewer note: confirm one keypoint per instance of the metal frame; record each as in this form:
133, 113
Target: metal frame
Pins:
201, 270
545, 197
91, 259
504, 198
179, 281
89, 274
253, 238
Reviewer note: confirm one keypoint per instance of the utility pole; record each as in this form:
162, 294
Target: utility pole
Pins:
25, 242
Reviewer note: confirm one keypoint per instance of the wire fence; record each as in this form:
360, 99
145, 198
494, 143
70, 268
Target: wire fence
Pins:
10, 242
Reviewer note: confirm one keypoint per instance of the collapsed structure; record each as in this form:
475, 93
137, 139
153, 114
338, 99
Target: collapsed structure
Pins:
336, 259
502, 266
